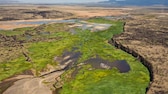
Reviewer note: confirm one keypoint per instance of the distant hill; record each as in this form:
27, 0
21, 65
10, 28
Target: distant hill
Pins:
8, 1
138, 2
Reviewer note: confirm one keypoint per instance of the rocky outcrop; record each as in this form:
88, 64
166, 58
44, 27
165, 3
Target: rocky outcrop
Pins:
138, 41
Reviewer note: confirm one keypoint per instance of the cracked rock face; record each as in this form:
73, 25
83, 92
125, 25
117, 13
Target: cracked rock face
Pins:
148, 38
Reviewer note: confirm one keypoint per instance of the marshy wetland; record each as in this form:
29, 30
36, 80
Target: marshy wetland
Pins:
54, 45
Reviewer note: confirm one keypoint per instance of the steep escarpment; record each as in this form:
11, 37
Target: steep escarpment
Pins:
146, 40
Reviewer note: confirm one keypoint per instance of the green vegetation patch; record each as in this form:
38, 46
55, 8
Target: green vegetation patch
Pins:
17, 31
40, 50
99, 81
105, 82
90, 45
14, 66
43, 53
116, 28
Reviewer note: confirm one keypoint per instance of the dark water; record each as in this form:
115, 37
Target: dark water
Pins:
99, 63
73, 56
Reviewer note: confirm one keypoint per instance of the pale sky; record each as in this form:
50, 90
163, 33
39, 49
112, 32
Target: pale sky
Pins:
60, 1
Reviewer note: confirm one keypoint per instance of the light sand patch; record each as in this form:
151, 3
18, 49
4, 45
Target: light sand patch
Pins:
13, 26
38, 85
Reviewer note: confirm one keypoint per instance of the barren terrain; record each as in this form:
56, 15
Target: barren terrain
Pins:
31, 13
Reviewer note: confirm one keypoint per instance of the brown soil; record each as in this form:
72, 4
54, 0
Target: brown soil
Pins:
84, 12
33, 85
10, 81
147, 35
56, 11
34, 13
10, 48
13, 26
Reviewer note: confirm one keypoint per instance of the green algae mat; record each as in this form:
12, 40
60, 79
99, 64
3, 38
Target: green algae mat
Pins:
40, 45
